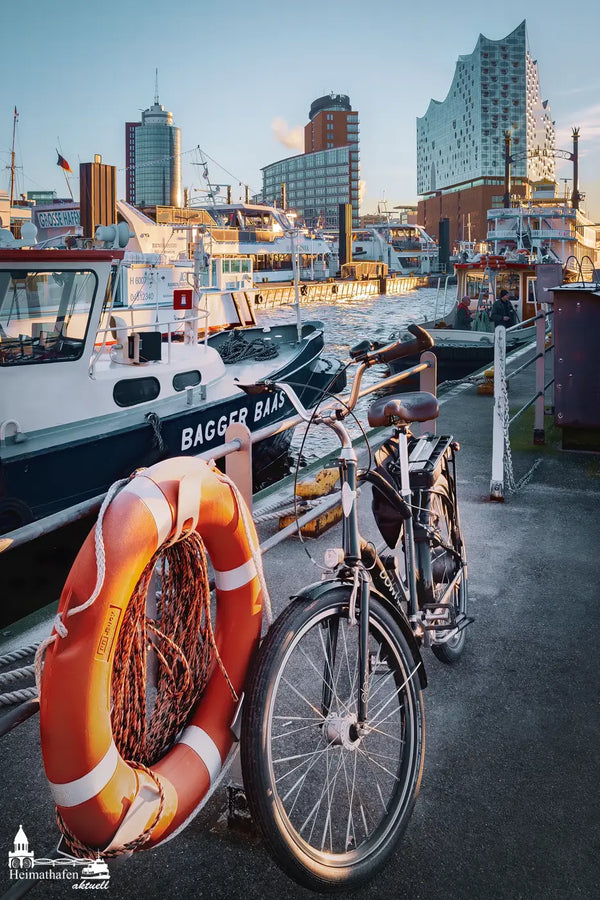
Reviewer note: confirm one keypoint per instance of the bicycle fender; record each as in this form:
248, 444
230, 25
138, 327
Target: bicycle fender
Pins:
320, 588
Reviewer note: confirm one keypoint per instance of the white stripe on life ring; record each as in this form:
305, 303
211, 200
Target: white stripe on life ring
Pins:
235, 578
203, 746
72, 793
156, 502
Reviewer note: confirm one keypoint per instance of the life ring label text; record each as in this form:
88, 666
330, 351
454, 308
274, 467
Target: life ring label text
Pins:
107, 635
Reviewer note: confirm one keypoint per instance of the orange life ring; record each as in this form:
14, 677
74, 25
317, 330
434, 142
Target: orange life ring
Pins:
104, 801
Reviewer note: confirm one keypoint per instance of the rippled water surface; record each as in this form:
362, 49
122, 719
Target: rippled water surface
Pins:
347, 323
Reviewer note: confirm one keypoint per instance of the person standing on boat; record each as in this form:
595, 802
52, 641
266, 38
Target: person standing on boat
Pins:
464, 316
502, 311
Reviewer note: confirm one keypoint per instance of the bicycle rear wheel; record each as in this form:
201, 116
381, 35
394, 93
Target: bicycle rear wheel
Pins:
332, 802
448, 557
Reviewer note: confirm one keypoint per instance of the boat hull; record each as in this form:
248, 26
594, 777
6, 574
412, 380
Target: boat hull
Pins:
39, 483
457, 359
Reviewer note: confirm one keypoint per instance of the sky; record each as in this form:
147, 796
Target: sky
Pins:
239, 78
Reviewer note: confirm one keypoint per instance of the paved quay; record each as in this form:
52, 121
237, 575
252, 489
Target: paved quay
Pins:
508, 808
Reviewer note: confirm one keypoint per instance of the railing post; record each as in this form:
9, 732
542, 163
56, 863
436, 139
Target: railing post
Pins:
540, 340
428, 382
497, 482
238, 465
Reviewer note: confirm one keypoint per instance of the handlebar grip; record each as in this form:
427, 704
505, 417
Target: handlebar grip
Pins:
398, 349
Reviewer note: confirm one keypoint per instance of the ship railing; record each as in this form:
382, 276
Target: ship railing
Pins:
502, 479
437, 296
237, 451
171, 328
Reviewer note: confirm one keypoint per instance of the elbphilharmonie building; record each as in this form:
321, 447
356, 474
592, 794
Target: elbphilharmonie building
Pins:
460, 140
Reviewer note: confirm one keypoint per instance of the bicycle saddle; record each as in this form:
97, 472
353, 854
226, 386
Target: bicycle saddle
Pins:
418, 406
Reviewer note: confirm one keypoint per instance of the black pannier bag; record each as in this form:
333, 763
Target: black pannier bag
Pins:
387, 518
427, 461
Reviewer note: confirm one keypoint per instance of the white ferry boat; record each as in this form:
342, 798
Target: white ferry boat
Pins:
96, 870
405, 249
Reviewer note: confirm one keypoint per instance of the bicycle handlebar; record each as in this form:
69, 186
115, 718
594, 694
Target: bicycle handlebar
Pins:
367, 354
371, 353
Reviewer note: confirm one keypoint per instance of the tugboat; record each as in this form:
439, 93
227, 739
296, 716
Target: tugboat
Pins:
86, 397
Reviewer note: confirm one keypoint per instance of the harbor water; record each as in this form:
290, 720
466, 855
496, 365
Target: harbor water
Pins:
382, 318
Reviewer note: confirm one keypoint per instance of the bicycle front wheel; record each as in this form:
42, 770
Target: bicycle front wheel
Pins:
332, 799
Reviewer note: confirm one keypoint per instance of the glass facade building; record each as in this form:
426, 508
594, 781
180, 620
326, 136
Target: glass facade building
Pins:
327, 173
153, 159
460, 141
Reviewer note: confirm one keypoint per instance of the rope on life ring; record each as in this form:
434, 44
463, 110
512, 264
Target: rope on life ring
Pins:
105, 803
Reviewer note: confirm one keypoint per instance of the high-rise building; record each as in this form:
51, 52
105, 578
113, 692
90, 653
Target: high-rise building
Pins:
316, 182
461, 140
153, 159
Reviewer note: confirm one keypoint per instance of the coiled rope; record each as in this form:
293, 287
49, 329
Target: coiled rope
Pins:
236, 349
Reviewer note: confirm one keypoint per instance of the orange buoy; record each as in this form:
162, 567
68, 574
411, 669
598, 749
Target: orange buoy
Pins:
104, 801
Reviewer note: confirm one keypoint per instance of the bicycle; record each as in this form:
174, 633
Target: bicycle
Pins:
333, 728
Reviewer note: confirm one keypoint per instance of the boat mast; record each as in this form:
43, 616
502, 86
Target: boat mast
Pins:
12, 160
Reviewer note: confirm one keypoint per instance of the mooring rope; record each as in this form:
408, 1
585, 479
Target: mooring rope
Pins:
236, 349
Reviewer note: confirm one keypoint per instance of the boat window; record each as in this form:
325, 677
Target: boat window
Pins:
183, 380
131, 391
44, 315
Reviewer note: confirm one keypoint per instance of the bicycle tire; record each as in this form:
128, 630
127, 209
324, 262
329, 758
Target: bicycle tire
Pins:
302, 762
444, 518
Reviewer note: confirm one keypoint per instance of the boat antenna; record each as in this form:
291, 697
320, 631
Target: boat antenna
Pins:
12, 159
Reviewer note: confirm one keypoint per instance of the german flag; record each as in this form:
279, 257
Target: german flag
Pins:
61, 161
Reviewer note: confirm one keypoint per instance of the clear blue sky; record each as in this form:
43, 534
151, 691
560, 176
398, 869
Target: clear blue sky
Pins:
229, 70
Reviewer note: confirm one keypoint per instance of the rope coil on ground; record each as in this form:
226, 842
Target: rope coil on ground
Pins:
16, 675
15, 655
19, 696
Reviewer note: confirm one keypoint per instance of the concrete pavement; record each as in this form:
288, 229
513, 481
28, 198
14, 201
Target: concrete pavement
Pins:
509, 802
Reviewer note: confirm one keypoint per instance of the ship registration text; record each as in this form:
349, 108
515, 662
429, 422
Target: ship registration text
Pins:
193, 437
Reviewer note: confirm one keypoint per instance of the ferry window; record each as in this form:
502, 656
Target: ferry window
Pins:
183, 380
44, 315
235, 265
131, 391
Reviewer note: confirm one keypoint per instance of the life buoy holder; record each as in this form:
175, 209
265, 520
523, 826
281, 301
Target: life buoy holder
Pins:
105, 802
303, 290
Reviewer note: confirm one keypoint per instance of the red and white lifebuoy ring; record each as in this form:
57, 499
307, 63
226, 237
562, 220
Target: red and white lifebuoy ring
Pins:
103, 801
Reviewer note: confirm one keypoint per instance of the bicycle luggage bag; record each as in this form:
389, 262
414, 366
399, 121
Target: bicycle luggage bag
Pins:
425, 456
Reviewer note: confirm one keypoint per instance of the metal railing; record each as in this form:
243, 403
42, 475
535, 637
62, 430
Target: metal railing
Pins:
237, 451
502, 420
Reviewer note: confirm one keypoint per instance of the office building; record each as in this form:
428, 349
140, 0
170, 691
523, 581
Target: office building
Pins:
153, 159
316, 182
461, 140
